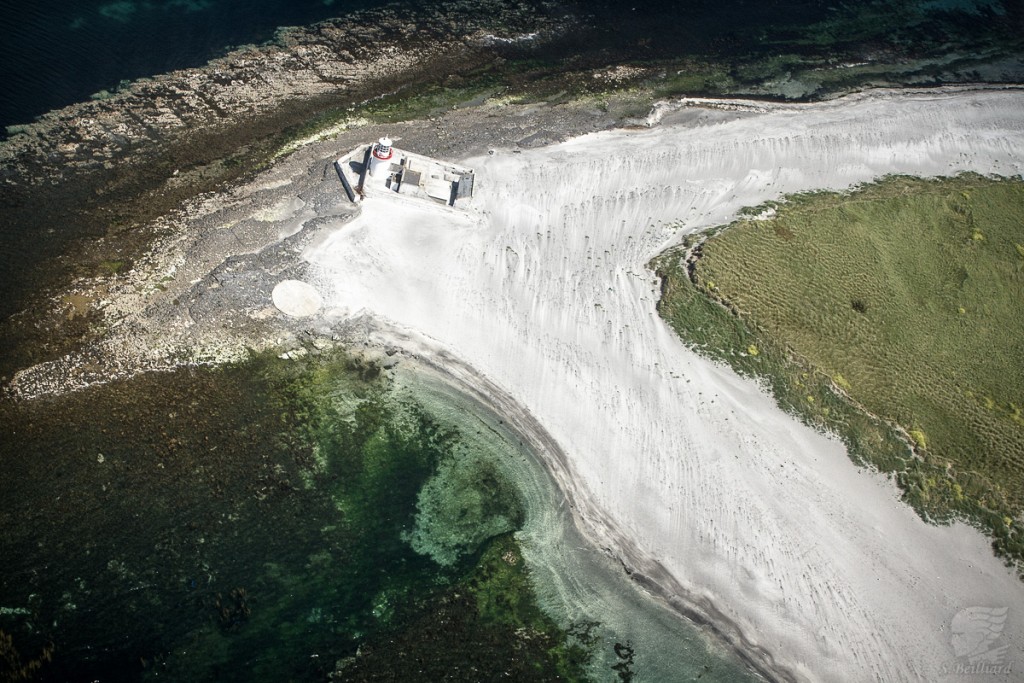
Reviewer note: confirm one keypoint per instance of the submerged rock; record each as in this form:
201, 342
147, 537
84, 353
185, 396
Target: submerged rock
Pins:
465, 503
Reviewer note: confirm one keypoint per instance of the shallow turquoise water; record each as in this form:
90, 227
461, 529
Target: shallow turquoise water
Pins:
575, 582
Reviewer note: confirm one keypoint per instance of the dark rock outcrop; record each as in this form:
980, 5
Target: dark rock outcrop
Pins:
341, 61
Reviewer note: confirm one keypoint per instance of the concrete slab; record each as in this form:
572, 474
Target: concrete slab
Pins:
297, 299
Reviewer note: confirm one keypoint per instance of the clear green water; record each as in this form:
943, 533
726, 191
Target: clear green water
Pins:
577, 585
415, 535
294, 520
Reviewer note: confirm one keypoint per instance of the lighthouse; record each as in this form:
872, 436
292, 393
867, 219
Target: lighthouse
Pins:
380, 158
382, 169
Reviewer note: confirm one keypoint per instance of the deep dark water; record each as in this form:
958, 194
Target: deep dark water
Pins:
261, 523
57, 52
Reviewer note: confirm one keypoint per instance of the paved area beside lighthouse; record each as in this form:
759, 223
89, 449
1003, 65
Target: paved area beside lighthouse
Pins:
383, 168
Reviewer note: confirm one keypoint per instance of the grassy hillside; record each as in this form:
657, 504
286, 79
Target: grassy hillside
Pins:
892, 315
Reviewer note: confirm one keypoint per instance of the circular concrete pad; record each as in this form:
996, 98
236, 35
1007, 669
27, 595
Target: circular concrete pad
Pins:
296, 298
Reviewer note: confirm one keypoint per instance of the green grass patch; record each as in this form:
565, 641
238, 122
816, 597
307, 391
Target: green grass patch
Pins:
112, 267
881, 316
430, 100
692, 76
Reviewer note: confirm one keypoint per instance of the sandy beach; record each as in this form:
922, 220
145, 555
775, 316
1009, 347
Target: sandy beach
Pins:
692, 476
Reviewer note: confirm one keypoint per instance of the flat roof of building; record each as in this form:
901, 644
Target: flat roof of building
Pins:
409, 174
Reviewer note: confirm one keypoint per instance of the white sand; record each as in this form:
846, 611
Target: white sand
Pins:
296, 298
674, 461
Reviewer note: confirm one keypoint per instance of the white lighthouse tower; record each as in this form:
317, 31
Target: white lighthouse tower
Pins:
380, 158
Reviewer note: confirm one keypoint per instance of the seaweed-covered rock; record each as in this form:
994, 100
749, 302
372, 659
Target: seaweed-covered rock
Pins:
465, 503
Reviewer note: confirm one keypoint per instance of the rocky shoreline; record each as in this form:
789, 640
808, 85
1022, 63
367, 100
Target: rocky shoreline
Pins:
92, 187
347, 59
200, 292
